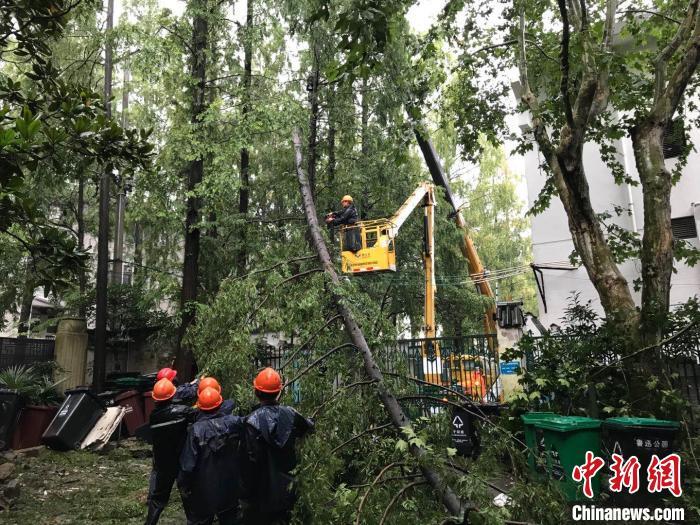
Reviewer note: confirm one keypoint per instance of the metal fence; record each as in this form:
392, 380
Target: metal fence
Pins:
468, 364
681, 357
24, 351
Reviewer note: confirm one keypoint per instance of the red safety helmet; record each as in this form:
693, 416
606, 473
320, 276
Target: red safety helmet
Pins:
208, 382
209, 399
163, 390
268, 381
167, 373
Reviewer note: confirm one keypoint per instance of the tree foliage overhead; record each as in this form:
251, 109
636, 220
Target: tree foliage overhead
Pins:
221, 86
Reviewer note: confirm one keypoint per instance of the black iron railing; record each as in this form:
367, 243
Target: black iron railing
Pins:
468, 364
25, 351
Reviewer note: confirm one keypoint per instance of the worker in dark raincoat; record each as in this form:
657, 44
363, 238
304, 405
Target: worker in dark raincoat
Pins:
168, 423
347, 216
271, 434
209, 478
186, 393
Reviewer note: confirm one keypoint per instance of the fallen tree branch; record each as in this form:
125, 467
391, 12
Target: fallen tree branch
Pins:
371, 485
465, 471
447, 495
358, 436
353, 438
387, 480
396, 498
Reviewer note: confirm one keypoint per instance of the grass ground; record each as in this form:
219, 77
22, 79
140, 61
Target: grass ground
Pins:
65, 488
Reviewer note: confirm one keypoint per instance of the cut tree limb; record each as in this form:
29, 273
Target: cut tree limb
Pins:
448, 497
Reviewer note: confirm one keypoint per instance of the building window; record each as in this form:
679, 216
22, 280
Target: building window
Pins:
674, 139
684, 228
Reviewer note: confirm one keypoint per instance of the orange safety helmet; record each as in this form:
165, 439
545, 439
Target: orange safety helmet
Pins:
163, 390
209, 399
208, 382
268, 381
167, 373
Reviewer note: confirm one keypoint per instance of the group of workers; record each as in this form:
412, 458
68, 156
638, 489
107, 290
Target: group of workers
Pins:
233, 468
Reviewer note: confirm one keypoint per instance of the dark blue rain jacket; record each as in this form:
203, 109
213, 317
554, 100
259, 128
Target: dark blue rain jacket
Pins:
186, 394
271, 432
209, 477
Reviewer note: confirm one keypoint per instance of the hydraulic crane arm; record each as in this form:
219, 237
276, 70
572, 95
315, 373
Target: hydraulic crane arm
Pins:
414, 200
467, 246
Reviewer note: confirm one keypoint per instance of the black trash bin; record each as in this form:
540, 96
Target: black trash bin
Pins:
76, 417
643, 438
466, 427
10, 407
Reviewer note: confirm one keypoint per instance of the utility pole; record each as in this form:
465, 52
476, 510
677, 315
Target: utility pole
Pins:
121, 195
98, 367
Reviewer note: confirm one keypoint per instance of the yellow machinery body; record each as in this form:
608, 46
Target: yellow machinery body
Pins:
375, 250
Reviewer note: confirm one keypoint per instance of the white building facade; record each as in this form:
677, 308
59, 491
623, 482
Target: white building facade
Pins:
551, 240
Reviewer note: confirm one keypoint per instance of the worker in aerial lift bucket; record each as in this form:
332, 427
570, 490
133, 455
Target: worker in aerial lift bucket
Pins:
346, 217
209, 478
271, 434
168, 423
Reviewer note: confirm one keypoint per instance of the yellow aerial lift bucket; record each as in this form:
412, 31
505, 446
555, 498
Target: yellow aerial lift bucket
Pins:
367, 247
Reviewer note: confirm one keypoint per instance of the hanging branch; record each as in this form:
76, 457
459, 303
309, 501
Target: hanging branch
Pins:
447, 495
337, 393
308, 341
270, 268
255, 310
316, 363
396, 498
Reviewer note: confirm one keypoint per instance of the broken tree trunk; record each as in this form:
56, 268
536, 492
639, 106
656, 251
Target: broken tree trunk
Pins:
396, 413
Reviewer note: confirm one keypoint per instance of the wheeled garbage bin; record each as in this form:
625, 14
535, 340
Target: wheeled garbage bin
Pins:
566, 440
642, 438
534, 440
10, 407
75, 418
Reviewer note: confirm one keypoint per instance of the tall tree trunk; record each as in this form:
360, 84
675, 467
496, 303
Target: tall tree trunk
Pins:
99, 362
364, 148
392, 406
589, 241
312, 88
118, 268
25, 311
244, 192
80, 219
184, 360
657, 242
138, 247
331, 135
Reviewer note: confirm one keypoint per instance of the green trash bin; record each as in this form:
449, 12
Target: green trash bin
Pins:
566, 440
535, 449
